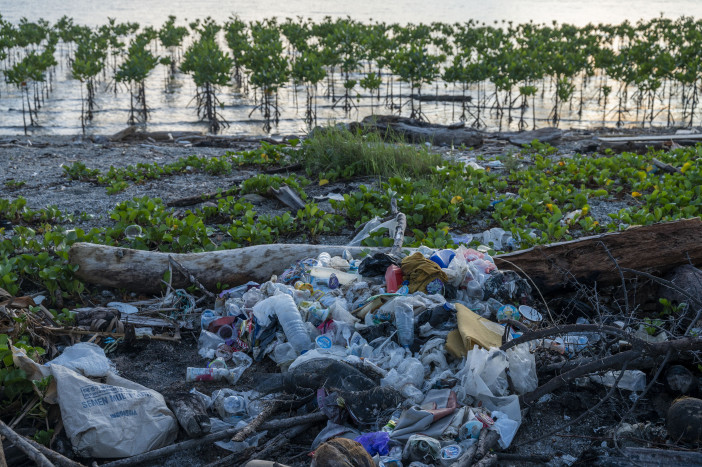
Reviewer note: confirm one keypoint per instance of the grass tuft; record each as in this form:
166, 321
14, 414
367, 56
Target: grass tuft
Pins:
337, 153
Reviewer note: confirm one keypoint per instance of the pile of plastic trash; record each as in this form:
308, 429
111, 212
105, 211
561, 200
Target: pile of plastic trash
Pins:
402, 354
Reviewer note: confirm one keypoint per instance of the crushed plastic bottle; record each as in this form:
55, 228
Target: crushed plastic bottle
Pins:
404, 321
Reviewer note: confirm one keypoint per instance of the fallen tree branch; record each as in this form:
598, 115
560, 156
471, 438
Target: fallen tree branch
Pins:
213, 437
611, 362
266, 413
546, 332
584, 414
197, 199
85, 332
665, 167
280, 441
190, 277
59, 459
23, 444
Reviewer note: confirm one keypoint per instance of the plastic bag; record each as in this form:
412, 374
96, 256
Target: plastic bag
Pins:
117, 419
505, 426
377, 442
522, 369
370, 227
339, 311
208, 343
484, 372
85, 358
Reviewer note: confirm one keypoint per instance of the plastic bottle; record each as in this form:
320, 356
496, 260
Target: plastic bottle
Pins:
392, 423
404, 321
206, 318
293, 326
393, 278
324, 259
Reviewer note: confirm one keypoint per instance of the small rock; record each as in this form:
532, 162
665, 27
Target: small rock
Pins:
688, 278
254, 199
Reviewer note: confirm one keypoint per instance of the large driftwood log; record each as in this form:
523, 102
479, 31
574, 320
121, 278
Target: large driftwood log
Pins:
657, 248
417, 131
142, 271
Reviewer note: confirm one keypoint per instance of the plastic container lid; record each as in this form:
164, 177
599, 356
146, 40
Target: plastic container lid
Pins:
451, 452
323, 342
530, 314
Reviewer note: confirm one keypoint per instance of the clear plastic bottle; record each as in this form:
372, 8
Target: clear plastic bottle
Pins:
294, 328
324, 259
404, 321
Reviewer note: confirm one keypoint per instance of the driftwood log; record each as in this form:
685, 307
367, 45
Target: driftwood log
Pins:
654, 248
417, 131
142, 271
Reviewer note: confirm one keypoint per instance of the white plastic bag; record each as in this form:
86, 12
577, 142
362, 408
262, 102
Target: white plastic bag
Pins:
484, 372
117, 419
522, 369
85, 358
370, 227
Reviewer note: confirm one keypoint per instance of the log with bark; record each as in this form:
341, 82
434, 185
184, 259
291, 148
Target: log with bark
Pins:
654, 248
417, 131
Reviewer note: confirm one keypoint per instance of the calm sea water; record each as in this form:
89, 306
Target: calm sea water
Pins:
155, 12
172, 108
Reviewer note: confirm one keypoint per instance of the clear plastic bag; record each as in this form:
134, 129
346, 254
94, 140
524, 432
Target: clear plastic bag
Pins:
522, 369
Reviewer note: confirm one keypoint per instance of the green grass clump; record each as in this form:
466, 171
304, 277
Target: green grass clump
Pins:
336, 153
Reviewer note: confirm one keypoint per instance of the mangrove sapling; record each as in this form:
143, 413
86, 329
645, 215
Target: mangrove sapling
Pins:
238, 41
308, 70
269, 69
134, 71
88, 62
346, 40
210, 68
371, 83
416, 66
171, 37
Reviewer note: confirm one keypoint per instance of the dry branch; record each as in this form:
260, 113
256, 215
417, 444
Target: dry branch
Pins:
23, 444
213, 437
265, 414
193, 280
